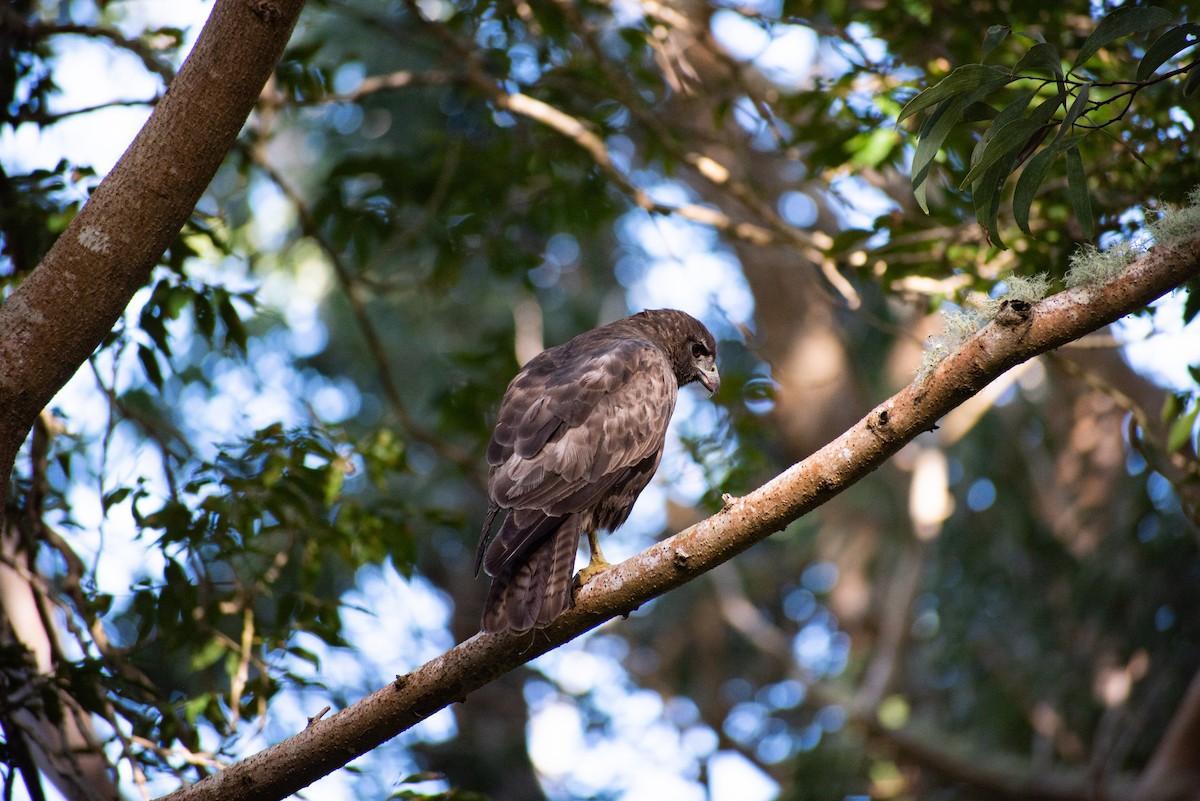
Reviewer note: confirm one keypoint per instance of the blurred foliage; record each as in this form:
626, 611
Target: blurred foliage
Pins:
416, 192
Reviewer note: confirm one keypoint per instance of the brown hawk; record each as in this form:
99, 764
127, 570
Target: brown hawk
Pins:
579, 434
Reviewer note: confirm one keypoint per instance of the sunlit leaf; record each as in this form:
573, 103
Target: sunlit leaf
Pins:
1181, 429
965, 80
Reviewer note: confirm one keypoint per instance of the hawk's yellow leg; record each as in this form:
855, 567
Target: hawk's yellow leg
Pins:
598, 563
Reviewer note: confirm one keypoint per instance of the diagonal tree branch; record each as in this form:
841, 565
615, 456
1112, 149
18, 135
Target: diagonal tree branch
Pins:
1020, 332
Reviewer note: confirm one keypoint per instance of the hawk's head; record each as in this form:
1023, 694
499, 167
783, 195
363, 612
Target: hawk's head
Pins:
690, 346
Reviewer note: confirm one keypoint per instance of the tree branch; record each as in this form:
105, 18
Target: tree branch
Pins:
1018, 334
66, 306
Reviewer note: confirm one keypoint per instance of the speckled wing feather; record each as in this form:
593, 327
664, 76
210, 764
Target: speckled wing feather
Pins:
579, 433
532, 591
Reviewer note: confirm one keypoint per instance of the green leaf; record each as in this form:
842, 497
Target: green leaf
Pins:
150, 366
978, 112
1191, 306
202, 310
1013, 111
1181, 430
1076, 109
1081, 201
426, 776
1006, 141
111, 499
1027, 185
1193, 81
939, 124
1124, 21
964, 80
985, 194
1173, 406
1043, 56
1167, 46
235, 331
208, 654
995, 35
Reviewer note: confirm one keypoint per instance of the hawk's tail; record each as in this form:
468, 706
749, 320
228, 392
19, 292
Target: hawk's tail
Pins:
533, 589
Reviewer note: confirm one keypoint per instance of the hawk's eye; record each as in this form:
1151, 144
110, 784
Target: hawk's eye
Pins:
698, 350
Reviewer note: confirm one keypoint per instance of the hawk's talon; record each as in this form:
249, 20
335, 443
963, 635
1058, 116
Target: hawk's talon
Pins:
595, 567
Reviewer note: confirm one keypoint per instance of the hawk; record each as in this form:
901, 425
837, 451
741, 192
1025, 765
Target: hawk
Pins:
579, 434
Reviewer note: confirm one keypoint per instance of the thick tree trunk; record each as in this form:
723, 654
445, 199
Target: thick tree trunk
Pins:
62, 311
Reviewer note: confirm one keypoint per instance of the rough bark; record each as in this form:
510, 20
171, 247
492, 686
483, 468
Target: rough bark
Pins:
1019, 333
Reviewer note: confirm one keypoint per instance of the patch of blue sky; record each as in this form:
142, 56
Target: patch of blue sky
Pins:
599, 734
92, 72
1160, 345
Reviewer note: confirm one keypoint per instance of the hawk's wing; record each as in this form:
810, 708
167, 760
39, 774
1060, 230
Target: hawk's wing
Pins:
571, 426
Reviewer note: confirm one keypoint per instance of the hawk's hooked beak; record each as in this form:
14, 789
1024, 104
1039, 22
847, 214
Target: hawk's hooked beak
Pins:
710, 378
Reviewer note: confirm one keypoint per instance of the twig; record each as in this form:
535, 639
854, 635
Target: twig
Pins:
44, 118
358, 306
148, 55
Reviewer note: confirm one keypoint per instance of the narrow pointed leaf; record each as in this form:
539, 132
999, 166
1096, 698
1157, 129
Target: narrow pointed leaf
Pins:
1027, 185
1076, 109
978, 112
150, 365
1013, 111
966, 79
1191, 307
1006, 141
1034, 175
1181, 430
1081, 201
943, 119
985, 193
1166, 47
1124, 21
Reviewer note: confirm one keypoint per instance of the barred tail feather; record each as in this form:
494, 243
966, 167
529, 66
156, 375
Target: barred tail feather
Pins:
530, 592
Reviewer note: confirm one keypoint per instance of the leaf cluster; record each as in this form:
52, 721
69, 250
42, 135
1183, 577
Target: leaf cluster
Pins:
1041, 110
